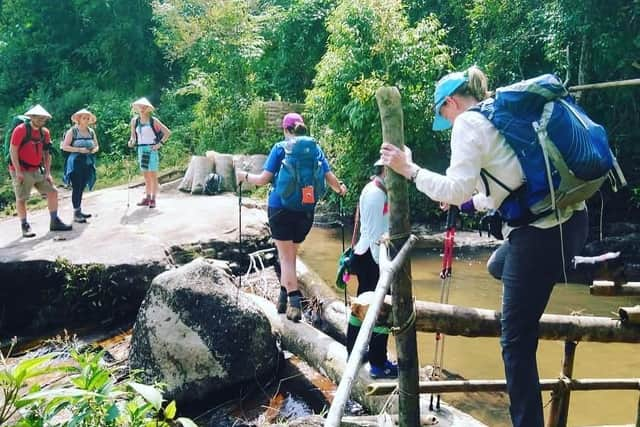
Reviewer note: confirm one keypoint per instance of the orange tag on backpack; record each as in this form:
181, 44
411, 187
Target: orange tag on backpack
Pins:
308, 198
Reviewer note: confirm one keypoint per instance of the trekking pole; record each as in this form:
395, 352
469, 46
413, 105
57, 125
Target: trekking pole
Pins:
341, 215
445, 276
240, 232
127, 161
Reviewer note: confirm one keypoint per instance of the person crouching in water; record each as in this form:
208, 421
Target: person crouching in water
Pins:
373, 211
81, 142
148, 134
289, 227
30, 166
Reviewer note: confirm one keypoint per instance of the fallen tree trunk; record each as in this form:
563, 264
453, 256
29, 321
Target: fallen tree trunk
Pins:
334, 314
330, 357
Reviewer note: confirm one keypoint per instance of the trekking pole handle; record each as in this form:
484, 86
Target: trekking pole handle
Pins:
452, 216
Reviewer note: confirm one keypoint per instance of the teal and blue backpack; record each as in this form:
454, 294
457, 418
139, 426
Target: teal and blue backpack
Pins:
300, 181
564, 154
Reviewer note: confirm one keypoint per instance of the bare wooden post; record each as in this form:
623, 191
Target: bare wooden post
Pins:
388, 99
561, 396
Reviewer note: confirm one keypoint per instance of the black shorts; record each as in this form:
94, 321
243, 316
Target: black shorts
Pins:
289, 225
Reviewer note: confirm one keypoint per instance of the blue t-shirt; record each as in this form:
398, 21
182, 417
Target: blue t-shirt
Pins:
273, 162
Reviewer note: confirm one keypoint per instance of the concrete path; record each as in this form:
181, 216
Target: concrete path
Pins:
122, 233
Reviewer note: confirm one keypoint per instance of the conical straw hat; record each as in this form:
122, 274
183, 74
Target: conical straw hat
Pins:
38, 111
143, 102
74, 116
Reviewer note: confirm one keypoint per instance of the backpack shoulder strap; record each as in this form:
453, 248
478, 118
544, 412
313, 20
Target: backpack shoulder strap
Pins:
485, 173
380, 185
156, 132
27, 134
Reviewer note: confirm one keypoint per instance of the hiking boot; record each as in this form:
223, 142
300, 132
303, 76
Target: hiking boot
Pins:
78, 217
294, 313
143, 202
58, 225
388, 370
26, 230
152, 203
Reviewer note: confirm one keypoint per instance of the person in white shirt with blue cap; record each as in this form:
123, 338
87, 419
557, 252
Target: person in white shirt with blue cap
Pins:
530, 258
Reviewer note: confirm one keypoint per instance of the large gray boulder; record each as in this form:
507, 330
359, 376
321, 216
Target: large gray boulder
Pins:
197, 335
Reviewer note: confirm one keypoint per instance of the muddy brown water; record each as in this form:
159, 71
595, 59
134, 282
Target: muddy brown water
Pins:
479, 358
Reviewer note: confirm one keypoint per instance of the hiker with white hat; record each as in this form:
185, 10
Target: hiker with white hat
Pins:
81, 142
30, 166
148, 134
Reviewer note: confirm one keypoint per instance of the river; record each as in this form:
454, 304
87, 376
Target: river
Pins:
479, 358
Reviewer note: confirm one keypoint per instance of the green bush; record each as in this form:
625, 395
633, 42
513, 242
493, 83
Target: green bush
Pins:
89, 394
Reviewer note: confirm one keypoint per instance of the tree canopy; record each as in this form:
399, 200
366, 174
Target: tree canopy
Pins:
210, 65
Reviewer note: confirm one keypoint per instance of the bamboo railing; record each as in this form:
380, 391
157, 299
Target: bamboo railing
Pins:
477, 322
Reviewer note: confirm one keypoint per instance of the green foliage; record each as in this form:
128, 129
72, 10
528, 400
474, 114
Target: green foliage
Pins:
16, 386
295, 40
371, 44
216, 43
90, 395
89, 292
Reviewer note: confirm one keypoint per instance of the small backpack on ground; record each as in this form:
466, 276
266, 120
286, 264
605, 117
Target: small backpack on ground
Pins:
300, 181
157, 132
213, 184
565, 155
15, 122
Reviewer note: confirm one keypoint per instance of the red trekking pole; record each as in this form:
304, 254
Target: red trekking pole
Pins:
445, 276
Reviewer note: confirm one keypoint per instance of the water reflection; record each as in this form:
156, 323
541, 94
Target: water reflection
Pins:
479, 358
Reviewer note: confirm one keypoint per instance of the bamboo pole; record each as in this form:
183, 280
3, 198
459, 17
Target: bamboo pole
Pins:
606, 288
559, 411
389, 270
605, 85
388, 99
630, 315
380, 388
478, 322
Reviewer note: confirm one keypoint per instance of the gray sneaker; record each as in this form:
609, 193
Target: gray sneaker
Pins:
78, 217
26, 230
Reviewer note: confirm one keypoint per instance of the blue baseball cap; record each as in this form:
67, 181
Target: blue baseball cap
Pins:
445, 87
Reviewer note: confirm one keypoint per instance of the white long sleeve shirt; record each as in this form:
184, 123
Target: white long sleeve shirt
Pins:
476, 144
374, 219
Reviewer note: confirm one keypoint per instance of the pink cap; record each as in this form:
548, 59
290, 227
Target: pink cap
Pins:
291, 119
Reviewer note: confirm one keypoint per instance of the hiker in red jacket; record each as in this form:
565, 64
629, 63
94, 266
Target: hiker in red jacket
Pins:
30, 166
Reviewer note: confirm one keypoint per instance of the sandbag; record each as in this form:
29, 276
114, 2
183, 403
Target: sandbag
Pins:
202, 166
212, 155
187, 180
224, 168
